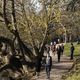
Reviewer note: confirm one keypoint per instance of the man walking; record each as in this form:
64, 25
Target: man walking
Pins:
48, 65
72, 51
59, 50
62, 49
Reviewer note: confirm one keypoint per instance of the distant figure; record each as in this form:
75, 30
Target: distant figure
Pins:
38, 65
53, 48
51, 43
48, 48
62, 48
72, 51
58, 41
54, 43
59, 52
48, 65
51, 51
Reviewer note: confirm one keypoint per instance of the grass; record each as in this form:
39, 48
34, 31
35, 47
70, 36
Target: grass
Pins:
74, 74
67, 49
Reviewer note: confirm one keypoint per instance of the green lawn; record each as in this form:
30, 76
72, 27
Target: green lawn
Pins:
67, 49
74, 74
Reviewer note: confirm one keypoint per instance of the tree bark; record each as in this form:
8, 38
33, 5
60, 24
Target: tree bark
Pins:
23, 48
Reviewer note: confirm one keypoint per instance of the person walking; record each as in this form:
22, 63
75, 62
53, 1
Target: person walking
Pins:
59, 52
51, 50
72, 51
48, 65
62, 49
48, 48
37, 66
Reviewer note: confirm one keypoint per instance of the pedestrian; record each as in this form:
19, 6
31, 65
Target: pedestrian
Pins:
72, 51
43, 62
51, 43
51, 50
62, 49
59, 52
54, 49
37, 66
58, 41
54, 42
48, 48
48, 65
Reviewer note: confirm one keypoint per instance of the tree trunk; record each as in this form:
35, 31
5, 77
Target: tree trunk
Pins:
14, 30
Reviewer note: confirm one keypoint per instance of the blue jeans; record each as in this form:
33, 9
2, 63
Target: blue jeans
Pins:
48, 71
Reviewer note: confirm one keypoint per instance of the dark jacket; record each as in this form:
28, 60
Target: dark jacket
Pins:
72, 48
38, 64
59, 50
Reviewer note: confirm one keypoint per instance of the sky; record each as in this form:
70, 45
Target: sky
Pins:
37, 5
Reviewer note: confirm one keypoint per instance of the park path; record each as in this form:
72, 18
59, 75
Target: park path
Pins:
58, 68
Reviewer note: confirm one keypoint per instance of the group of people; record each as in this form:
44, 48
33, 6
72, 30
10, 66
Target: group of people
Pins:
59, 50
56, 49
46, 61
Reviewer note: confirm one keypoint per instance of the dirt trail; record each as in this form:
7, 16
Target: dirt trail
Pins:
58, 69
